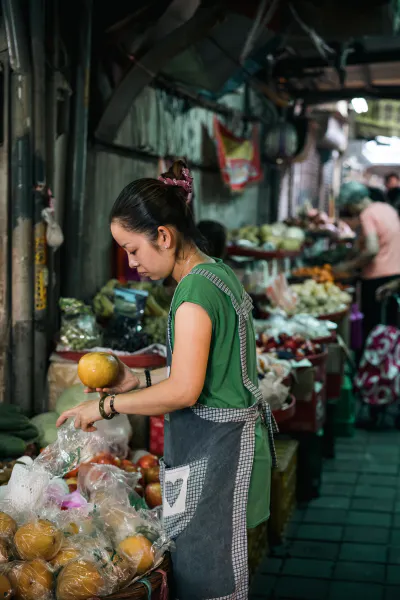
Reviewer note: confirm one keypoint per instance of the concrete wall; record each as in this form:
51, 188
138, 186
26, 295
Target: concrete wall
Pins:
157, 125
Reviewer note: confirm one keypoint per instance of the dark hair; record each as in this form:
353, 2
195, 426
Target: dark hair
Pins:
147, 204
215, 235
376, 194
393, 196
390, 175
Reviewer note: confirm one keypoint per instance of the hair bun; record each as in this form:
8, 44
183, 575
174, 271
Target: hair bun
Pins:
179, 176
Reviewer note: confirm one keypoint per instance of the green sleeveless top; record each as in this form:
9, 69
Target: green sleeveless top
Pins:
223, 386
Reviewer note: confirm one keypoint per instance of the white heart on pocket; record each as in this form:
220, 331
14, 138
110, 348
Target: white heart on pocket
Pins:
175, 490
172, 491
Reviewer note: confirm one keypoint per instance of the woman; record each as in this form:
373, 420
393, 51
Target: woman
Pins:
216, 475
379, 257
215, 235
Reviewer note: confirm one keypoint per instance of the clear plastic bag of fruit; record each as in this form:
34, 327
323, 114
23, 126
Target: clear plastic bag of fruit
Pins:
72, 447
97, 480
137, 535
26, 580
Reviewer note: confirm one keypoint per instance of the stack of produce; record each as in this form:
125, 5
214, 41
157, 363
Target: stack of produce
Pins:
312, 220
127, 323
305, 326
78, 554
17, 432
90, 551
320, 298
322, 274
277, 236
146, 467
287, 347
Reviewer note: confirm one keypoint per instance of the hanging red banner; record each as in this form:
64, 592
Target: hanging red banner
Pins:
239, 158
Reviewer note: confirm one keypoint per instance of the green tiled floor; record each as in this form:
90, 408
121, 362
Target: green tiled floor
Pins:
345, 544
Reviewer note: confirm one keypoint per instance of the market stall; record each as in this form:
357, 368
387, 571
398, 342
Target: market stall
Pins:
81, 517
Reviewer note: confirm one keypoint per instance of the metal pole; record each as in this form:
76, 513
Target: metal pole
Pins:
5, 291
37, 19
74, 215
51, 135
21, 193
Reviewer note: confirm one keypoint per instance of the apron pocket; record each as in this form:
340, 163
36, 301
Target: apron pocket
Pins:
181, 490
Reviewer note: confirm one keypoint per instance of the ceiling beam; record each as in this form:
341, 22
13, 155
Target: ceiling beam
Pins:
296, 67
151, 64
322, 96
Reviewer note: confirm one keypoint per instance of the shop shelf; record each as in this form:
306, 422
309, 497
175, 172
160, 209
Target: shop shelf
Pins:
259, 254
136, 361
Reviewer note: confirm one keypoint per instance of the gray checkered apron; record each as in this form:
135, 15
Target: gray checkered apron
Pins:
205, 477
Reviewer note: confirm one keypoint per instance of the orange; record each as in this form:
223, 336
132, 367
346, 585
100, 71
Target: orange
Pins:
138, 549
98, 369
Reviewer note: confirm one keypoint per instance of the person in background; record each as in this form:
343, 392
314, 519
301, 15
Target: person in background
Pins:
215, 236
392, 180
376, 194
379, 256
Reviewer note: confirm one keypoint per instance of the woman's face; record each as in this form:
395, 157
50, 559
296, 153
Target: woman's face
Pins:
153, 260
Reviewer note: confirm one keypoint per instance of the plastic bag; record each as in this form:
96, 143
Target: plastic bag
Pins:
96, 480
79, 329
280, 294
137, 535
30, 580
125, 330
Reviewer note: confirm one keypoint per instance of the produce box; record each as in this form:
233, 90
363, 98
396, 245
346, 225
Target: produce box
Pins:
309, 416
303, 383
334, 370
283, 488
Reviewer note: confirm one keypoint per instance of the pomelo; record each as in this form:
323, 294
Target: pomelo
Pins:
139, 550
79, 580
38, 539
98, 369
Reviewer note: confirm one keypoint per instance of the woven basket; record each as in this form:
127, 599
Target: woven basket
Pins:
140, 591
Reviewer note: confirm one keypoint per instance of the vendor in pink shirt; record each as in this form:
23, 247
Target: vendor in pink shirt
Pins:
379, 256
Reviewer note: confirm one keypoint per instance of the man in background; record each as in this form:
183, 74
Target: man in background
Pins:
392, 180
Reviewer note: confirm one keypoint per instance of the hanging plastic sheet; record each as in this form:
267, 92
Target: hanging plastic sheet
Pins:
239, 158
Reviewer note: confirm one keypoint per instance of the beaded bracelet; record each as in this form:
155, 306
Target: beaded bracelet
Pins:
148, 378
102, 412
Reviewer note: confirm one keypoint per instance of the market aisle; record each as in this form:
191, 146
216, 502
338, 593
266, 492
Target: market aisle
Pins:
345, 544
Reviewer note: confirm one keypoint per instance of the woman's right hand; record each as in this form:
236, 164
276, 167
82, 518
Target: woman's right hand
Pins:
387, 290
125, 382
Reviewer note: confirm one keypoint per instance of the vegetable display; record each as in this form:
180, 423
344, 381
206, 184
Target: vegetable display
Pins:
277, 236
320, 298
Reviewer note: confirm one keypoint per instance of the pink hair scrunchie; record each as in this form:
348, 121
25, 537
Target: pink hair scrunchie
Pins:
186, 183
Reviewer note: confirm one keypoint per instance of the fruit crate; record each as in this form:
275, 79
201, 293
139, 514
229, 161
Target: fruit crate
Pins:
154, 586
283, 489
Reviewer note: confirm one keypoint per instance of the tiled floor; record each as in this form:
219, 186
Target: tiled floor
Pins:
345, 544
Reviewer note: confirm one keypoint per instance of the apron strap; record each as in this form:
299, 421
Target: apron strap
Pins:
244, 312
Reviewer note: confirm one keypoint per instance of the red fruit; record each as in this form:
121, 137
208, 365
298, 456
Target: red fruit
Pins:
152, 475
148, 461
105, 458
71, 474
153, 495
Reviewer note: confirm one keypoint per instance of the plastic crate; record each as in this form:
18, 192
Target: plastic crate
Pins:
346, 405
283, 489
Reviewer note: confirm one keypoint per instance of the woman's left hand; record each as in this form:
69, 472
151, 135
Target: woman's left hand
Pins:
85, 415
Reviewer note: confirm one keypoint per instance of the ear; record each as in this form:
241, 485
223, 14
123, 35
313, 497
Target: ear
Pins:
165, 238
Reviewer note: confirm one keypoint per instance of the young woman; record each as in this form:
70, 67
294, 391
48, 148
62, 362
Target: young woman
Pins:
218, 430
